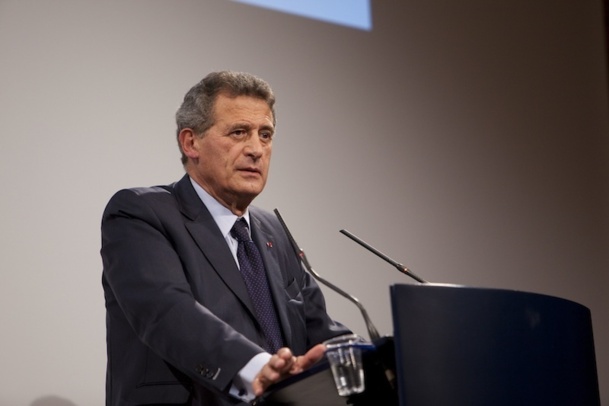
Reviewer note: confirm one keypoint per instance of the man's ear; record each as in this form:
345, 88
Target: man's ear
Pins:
188, 144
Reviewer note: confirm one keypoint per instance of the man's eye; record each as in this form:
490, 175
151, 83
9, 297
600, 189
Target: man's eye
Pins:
264, 136
239, 133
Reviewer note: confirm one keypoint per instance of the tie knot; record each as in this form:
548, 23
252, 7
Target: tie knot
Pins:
239, 231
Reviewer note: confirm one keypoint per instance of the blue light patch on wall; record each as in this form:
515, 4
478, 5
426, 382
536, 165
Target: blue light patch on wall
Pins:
352, 13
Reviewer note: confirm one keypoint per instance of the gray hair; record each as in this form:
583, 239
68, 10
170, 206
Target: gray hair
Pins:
196, 111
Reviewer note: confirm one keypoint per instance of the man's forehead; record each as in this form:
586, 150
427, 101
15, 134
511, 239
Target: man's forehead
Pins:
241, 108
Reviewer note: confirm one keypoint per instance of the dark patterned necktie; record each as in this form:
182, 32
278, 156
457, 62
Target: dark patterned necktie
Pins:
254, 275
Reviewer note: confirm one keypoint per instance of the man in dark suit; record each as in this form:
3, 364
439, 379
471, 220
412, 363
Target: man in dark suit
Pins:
184, 324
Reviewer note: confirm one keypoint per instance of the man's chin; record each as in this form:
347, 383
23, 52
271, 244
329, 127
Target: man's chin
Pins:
250, 190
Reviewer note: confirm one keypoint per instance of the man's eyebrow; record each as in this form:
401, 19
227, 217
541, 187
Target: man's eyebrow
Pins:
268, 128
240, 124
249, 126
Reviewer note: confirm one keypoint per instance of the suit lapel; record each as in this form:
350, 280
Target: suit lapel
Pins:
206, 234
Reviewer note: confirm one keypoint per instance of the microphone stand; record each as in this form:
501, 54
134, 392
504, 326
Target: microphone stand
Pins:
372, 331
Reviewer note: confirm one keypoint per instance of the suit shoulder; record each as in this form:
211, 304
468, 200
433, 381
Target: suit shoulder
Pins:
141, 196
149, 193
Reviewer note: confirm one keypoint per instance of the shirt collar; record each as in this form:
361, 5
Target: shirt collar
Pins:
224, 218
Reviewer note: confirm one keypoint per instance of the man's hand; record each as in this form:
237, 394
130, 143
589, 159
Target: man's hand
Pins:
283, 364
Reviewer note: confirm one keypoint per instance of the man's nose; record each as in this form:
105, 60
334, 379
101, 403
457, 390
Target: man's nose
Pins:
254, 146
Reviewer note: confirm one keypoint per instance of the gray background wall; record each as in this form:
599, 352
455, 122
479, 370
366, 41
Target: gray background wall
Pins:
467, 139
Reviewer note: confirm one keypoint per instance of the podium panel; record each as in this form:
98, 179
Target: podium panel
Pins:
471, 346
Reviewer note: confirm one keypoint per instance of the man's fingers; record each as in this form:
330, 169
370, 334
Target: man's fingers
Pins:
267, 376
284, 364
311, 357
273, 371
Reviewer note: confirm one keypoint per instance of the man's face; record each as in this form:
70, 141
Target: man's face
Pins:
231, 160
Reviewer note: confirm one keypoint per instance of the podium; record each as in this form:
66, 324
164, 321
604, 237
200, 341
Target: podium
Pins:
473, 346
456, 345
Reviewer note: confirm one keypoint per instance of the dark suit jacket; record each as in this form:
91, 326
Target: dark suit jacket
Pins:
180, 323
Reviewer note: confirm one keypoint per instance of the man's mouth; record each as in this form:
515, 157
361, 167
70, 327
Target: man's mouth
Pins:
250, 170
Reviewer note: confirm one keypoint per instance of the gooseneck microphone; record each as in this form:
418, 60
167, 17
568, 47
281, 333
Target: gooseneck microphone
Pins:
372, 332
399, 266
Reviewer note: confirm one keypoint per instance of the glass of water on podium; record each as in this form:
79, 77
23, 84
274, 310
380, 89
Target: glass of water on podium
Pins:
344, 353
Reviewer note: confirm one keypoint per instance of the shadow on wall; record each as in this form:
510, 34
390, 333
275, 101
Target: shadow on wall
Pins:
52, 401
